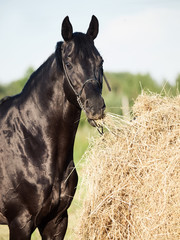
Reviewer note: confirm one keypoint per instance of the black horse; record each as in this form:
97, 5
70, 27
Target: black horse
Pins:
38, 127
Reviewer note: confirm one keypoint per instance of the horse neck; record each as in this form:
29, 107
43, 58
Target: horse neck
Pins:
44, 93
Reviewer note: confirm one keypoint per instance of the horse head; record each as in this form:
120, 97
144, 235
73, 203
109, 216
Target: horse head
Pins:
83, 69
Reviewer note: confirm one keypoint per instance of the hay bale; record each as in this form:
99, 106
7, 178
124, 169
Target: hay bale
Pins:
132, 178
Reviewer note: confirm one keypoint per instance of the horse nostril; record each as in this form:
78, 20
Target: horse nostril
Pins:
103, 110
86, 104
94, 108
104, 107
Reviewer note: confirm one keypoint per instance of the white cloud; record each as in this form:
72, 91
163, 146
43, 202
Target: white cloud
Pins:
144, 42
135, 36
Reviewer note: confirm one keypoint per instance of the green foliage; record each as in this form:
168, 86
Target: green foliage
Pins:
15, 86
122, 84
131, 85
178, 83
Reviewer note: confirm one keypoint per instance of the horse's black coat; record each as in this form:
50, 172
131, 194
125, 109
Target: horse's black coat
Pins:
38, 128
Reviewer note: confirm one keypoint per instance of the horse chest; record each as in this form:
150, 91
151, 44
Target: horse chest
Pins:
61, 194
67, 187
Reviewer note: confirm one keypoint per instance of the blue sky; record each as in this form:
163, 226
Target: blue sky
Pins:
135, 35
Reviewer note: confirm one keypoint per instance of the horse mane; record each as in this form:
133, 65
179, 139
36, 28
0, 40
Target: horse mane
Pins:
83, 46
43, 69
45, 66
58, 56
4, 99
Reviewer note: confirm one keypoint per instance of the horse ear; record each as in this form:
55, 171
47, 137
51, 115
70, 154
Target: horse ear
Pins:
66, 29
93, 27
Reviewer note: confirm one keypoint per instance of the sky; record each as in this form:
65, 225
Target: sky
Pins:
137, 36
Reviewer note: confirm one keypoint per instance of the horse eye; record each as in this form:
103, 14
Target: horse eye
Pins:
68, 65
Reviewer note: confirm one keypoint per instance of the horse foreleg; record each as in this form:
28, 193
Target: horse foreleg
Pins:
20, 233
55, 229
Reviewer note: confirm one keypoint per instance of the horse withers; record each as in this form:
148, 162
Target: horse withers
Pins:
38, 127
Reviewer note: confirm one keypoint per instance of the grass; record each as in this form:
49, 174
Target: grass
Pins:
4, 232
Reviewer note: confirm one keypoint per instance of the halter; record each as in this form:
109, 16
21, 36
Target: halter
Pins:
78, 95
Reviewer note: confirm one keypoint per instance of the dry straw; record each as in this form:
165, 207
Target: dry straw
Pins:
132, 178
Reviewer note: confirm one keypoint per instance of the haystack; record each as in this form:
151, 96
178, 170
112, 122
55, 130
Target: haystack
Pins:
132, 178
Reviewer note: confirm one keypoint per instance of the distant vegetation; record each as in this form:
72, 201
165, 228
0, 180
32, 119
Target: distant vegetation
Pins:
15, 86
131, 85
124, 86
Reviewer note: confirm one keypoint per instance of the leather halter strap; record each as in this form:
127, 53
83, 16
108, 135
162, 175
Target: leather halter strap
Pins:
78, 95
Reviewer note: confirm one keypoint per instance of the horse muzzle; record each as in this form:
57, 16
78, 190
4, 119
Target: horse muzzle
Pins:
94, 110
